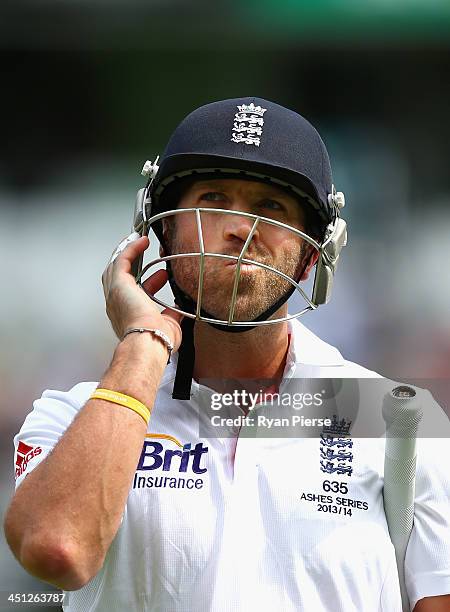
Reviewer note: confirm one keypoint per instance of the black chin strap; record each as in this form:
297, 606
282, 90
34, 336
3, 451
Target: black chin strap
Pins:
186, 360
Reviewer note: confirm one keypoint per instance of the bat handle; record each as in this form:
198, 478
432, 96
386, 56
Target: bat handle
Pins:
402, 412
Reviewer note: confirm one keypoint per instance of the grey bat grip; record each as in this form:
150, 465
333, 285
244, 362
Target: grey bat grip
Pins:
402, 412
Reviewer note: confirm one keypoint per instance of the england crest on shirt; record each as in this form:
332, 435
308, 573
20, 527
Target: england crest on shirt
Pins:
336, 446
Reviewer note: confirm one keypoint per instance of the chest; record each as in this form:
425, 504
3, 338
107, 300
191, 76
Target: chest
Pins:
294, 493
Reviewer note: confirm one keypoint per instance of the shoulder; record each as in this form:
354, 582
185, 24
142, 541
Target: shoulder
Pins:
350, 369
62, 405
54, 411
52, 414
309, 350
75, 397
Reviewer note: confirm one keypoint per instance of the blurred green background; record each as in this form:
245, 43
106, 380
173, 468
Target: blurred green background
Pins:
92, 89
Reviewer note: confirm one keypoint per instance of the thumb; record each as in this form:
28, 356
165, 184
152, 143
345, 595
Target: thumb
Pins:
128, 250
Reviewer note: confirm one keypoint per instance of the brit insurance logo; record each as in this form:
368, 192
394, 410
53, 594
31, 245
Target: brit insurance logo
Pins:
248, 124
24, 454
172, 465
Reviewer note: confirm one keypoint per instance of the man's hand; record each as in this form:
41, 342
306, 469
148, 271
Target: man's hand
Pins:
127, 305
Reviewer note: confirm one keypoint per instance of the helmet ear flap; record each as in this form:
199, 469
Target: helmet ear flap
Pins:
323, 283
335, 240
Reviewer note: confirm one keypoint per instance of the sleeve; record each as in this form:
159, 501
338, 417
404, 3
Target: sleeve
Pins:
427, 561
45, 424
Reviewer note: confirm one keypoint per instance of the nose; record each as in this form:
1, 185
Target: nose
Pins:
237, 227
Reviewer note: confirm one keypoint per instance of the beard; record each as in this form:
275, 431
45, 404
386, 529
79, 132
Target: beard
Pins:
258, 289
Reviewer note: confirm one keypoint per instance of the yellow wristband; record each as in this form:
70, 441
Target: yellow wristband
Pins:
123, 400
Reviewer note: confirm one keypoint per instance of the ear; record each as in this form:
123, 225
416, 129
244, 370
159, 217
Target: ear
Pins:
309, 261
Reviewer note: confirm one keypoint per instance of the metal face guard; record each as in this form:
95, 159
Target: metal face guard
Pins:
323, 268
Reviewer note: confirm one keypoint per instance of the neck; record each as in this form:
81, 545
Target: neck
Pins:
258, 353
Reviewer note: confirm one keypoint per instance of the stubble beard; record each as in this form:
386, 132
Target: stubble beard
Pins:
257, 291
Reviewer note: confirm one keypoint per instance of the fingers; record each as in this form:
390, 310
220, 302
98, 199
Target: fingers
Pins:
123, 245
152, 285
126, 305
129, 251
172, 318
123, 256
155, 282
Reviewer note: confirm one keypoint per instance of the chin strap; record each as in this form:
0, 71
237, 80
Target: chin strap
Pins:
186, 359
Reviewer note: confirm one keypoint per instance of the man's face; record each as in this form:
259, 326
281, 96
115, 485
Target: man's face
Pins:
226, 234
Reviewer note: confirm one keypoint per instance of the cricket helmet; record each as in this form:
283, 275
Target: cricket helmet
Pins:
253, 139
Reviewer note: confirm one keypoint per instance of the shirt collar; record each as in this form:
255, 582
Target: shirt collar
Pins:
305, 348
308, 349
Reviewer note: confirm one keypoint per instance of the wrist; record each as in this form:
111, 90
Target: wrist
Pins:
155, 332
137, 368
142, 348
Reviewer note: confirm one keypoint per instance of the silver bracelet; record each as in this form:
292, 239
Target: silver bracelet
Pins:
157, 333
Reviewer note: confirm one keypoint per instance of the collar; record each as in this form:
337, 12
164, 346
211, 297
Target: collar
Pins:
305, 348
308, 349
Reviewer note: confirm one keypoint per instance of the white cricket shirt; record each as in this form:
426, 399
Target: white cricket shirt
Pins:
221, 524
